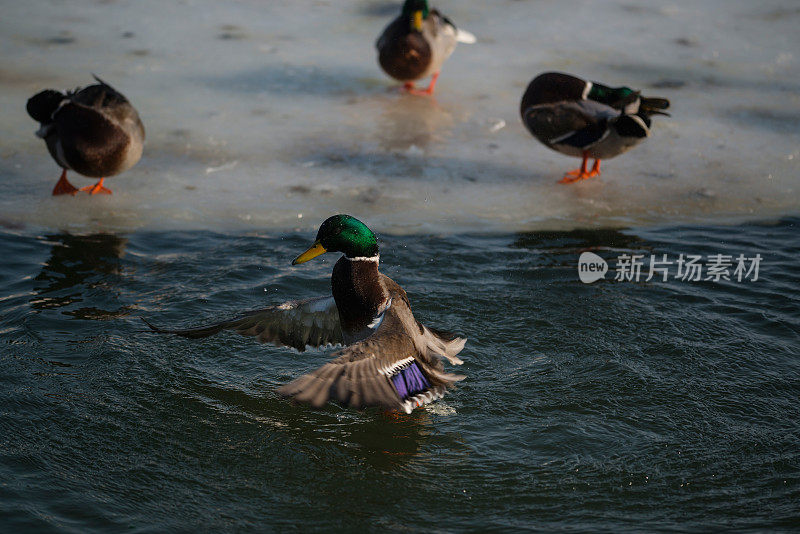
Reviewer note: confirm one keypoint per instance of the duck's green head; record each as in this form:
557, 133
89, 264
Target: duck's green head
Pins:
342, 233
415, 11
613, 96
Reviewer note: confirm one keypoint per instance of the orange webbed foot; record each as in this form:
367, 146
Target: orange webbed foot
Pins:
576, 176
63, 187
97, 188
409, 88
573, 176
419, 92
581, 174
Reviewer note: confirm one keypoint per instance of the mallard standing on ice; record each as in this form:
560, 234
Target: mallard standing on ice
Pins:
416, 43
93, 131
391, 360
586, 119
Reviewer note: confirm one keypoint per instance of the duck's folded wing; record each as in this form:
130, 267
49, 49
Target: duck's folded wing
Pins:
384, 370
85, 131
578, 123
299, 323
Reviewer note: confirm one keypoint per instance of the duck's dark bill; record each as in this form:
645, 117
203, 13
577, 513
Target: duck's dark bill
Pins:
313, 251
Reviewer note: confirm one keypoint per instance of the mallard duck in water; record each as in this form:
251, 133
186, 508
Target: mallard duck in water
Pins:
415, 44
93, 131
586, 119
391, 360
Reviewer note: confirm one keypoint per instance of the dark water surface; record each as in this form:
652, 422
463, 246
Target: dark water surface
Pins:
615, 406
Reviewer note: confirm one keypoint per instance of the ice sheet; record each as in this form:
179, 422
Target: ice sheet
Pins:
271, 115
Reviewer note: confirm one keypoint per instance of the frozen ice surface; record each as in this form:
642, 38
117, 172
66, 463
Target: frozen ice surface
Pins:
274, 115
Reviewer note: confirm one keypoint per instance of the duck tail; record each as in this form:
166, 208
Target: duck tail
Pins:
463, 36
653, 106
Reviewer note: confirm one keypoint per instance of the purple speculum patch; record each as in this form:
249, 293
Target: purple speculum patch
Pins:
409, 381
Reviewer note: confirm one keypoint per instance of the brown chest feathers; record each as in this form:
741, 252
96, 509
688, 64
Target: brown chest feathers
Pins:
358, 292
404, 55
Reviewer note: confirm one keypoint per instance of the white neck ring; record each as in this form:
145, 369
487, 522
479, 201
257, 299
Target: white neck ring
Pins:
374, 258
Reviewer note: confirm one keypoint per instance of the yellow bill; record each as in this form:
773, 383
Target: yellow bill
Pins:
313, 251
417, 20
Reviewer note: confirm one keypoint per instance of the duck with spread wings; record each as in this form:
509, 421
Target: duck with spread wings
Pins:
391, 360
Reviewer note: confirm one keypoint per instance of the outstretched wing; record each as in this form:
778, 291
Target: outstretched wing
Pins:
299, 323
385, 370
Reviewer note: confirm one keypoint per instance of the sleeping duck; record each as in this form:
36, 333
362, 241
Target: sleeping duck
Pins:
586, 119
415, 44
93, 131
391, 360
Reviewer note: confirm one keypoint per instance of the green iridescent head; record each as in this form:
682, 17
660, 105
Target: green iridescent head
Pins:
342, 233
613, 96
415, 11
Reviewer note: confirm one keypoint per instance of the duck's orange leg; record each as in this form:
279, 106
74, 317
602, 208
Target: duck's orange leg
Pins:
583, 173
409, 87
63, 187
97, 188
595, 169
